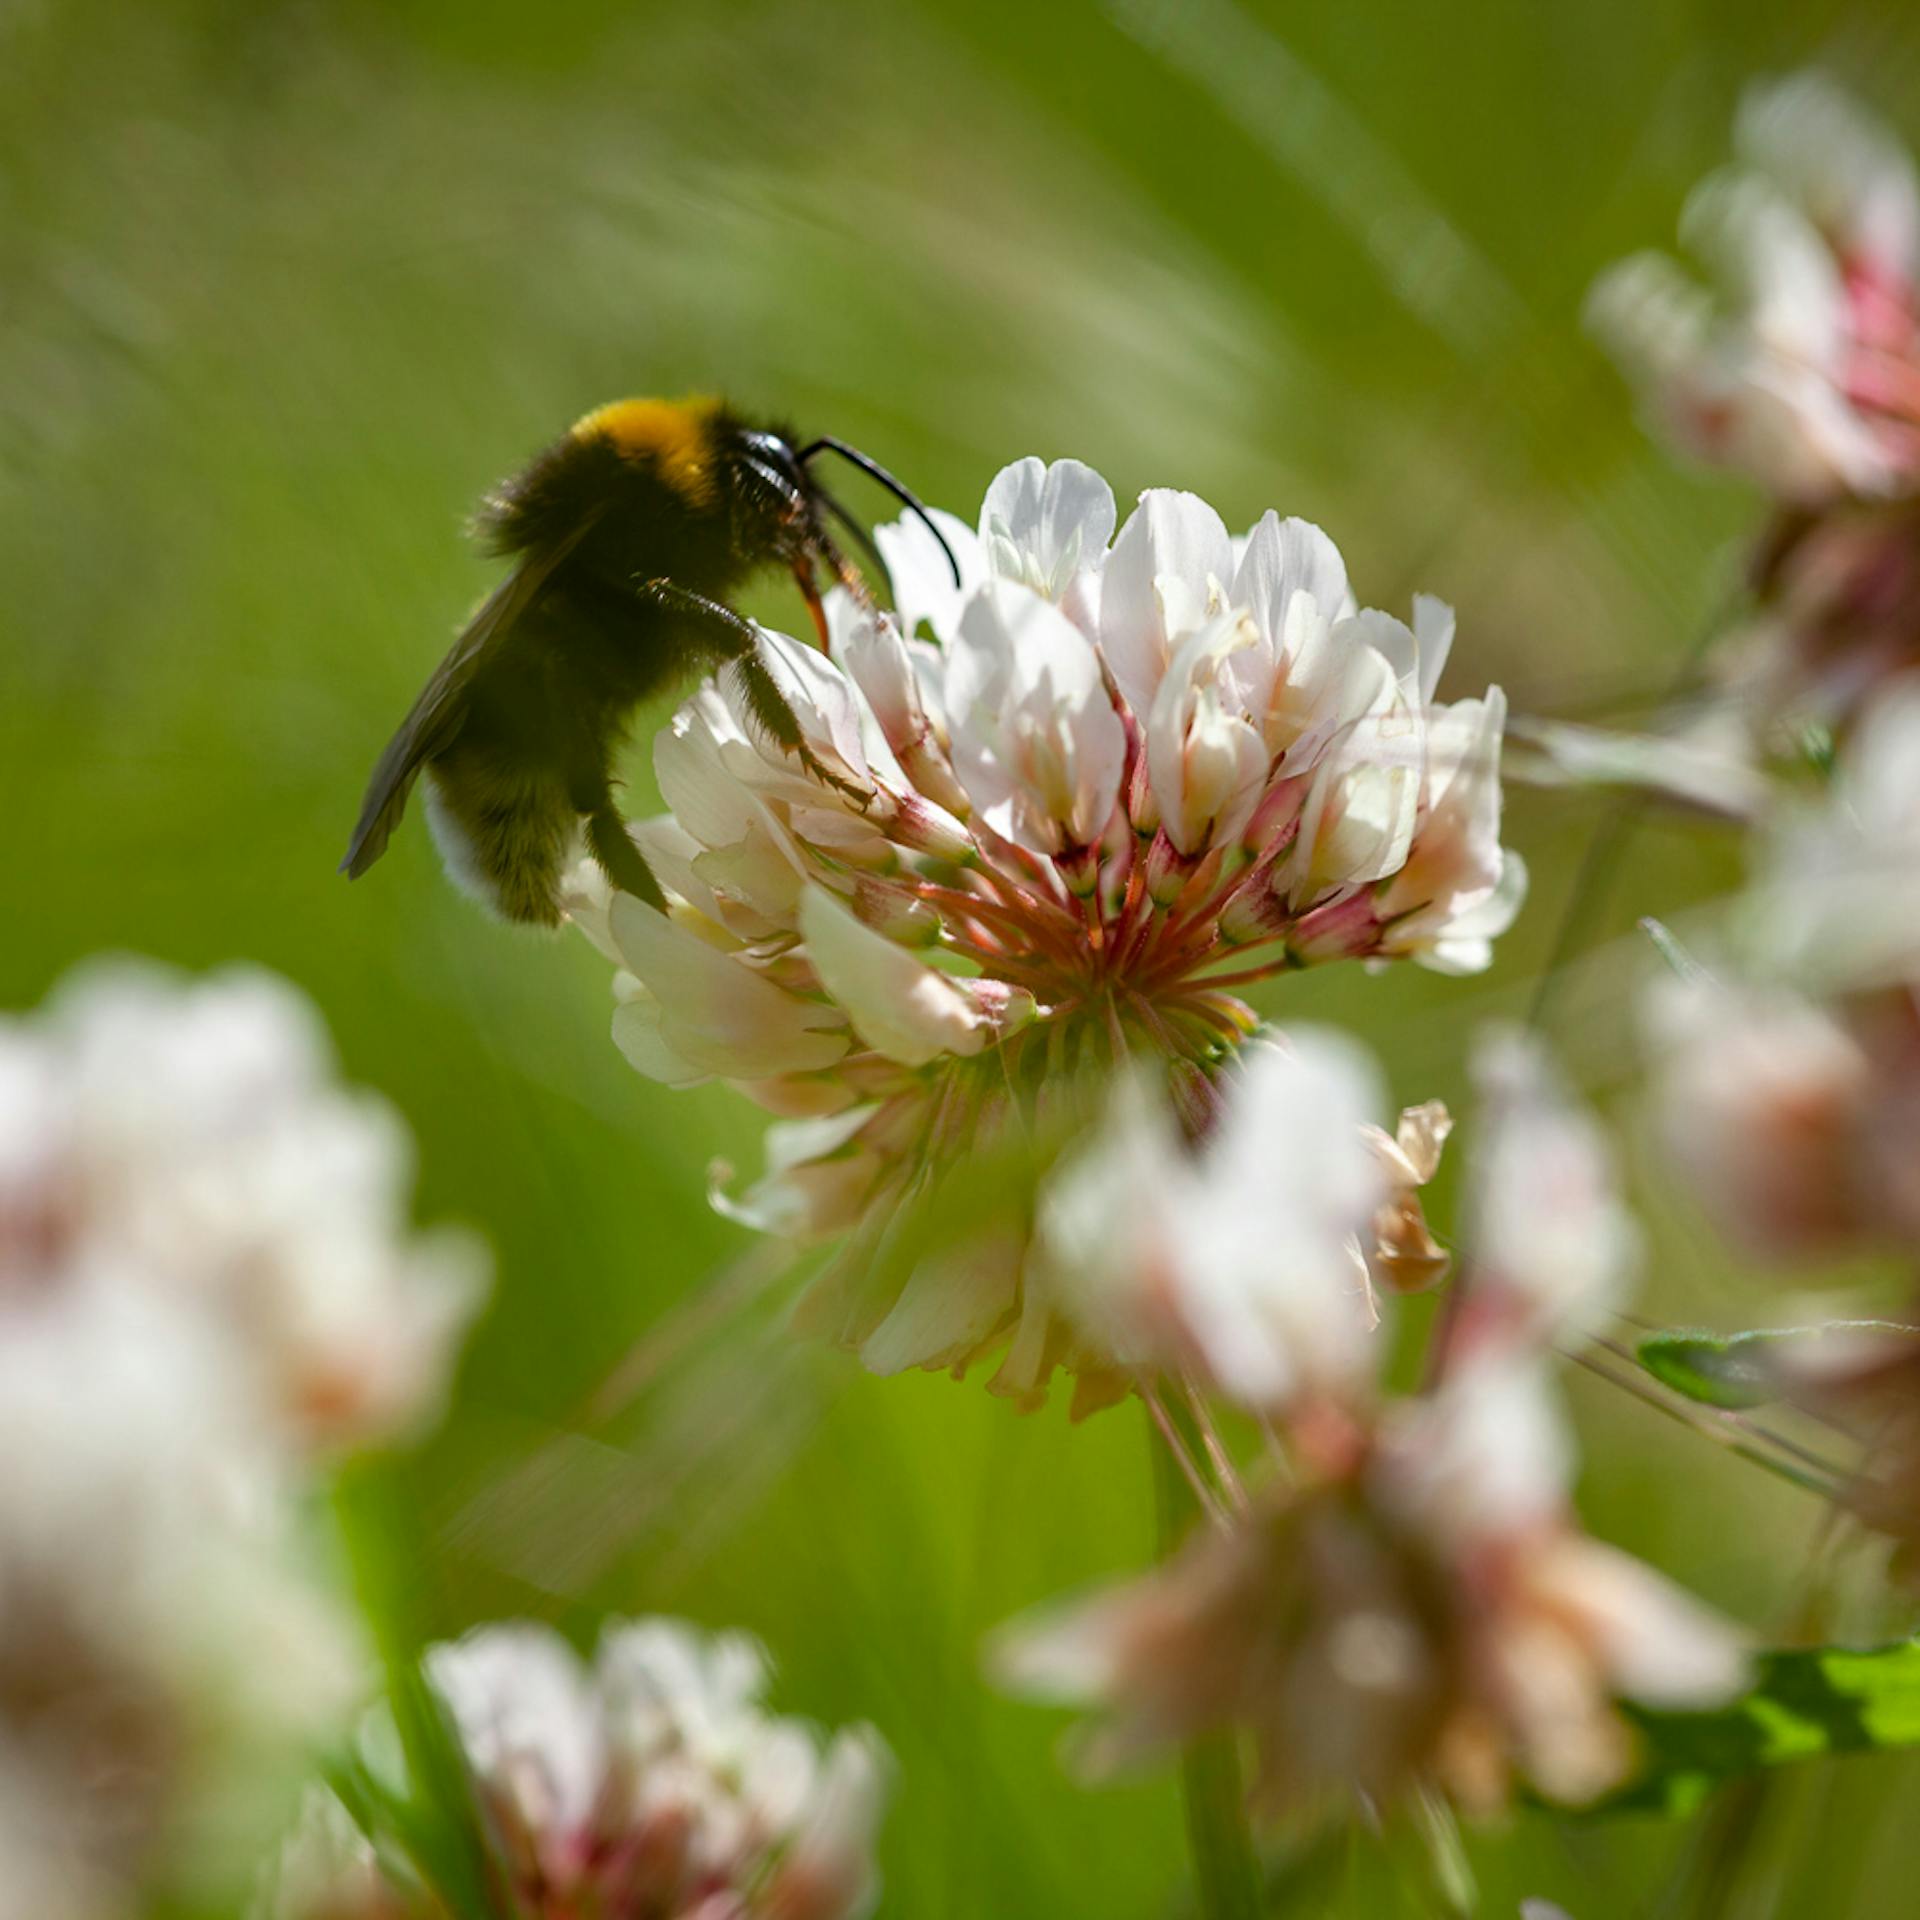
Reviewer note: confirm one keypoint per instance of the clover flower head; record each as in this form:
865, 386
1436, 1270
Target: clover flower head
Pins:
207, 1279
1064, 810
650, 1781
1241, 1262
192, 1137
1801, 365
1426, 1615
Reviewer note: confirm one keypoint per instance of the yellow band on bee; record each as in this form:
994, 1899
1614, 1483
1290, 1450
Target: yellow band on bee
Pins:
676, 434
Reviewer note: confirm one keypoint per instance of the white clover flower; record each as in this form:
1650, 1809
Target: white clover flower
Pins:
1758, 1098
1418, 1614
192, 1136
651, 1781
206, 1279
174, 1657
1238, 1263
1111, 766
1800, 367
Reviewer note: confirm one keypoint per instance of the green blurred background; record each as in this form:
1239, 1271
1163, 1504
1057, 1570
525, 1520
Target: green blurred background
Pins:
283, 287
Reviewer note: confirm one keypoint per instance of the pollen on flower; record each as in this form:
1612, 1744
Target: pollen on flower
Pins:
1068, 813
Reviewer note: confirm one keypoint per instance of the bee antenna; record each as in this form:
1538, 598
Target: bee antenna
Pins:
861, 537
875, 471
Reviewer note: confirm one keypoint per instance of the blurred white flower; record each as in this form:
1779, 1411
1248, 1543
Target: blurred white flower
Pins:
1237, 1262
169, 1655
1117, 775
1420, 1614
207, 1278
652, 1781
1836, 903
190, 1137
1785, 1081
1554, 1246
1795, 1124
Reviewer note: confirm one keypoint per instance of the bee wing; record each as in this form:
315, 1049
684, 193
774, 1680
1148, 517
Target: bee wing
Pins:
435, 717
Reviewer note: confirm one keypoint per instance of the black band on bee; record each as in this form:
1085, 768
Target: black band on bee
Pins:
875, 471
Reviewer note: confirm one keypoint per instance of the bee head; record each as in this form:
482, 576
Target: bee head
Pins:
785, 507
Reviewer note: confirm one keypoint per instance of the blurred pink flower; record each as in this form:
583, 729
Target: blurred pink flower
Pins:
1420, 1613
1800, 369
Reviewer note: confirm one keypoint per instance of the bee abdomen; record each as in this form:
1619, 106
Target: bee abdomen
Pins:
504, 836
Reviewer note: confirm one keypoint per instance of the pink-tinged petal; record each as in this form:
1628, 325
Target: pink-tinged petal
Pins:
821, 699
1456, 865
953, 1302
1359, 820
828, 1872
639, 1033
1657, 1644
1856, 182
716, 1012
877, 657
817, 1177
899, 1006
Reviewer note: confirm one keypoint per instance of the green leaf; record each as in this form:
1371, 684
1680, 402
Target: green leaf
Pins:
1735, 1371
1804, 1703
442, 1824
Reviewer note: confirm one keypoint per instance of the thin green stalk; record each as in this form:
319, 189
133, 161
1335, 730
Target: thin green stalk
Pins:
1225, 1871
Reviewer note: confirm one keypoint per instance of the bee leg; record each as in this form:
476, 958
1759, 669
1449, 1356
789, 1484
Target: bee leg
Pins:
608, 839
619, 859
730, 639
769, 707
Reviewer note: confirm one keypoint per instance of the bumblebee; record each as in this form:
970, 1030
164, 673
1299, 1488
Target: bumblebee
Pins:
628, 534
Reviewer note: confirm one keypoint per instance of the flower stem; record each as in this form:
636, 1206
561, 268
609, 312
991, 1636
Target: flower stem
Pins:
1225, 1872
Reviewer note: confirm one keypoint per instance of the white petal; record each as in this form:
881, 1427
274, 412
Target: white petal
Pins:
1042, 525
898, 1005
1036, 741
924, 588
1658, 1643
716, 1012
1169, 538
